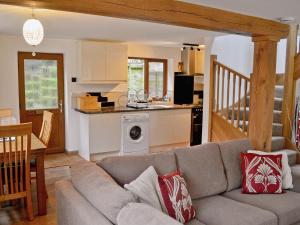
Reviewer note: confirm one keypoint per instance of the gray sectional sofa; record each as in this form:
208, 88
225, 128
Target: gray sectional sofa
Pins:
213, 175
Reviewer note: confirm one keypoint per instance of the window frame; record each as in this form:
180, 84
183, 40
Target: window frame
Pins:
147, 73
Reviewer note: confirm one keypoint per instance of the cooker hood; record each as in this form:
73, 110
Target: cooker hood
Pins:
193, 61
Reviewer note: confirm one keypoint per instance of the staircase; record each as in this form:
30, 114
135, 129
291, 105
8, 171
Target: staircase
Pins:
278, 141
230, 104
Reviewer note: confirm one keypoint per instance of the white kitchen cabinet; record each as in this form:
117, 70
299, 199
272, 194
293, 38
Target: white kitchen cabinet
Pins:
103, 62
93, 61
116, 63
169, 127
99, 133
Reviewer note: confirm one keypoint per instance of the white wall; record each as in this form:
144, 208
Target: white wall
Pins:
9, 96
237, 52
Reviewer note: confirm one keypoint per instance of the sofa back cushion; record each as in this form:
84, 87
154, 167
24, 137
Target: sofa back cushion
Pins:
125, 169
202, 169
230, 152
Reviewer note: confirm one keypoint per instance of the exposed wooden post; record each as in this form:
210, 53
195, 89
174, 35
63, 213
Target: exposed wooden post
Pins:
211, 94
289, 84
262, 90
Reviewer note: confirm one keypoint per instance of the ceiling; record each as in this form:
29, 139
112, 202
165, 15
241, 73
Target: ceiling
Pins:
270, 9
68, 25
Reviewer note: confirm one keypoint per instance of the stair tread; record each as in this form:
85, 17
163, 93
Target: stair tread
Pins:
278, 143
278, 138
279, 86
248, 108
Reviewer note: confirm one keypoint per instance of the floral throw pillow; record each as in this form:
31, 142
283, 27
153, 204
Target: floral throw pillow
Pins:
176, 199
262, 174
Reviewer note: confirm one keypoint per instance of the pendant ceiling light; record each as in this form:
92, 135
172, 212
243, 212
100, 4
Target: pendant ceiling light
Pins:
33, 31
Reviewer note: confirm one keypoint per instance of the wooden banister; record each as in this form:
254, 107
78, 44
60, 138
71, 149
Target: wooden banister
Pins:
228, 95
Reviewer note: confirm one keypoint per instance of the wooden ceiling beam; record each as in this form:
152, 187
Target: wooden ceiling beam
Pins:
167, 12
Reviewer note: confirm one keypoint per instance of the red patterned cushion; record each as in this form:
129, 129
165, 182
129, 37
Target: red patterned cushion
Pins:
176, 198
261, 173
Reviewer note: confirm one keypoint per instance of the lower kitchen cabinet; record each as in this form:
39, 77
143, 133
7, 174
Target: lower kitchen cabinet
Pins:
101, 133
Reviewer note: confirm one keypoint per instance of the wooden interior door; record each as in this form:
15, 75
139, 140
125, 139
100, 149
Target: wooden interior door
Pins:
41, 87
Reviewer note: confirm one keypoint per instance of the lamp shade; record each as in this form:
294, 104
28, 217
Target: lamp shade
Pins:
33, 32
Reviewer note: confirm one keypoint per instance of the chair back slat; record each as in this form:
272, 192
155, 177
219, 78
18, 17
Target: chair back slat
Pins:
16, 167
16, 153
46, 129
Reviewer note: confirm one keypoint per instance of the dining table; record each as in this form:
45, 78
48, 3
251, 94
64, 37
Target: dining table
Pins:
38, 154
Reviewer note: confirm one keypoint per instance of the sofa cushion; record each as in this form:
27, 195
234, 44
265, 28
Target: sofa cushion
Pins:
218, 210
262, 174
142, 214
286, 206
125, 169
175, 197
202, 169
105, 195
230, 152
287, 179
296, 177
144, 187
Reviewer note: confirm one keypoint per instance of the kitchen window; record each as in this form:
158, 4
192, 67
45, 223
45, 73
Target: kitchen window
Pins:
148, 76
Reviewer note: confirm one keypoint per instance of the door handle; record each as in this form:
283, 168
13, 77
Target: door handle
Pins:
61, 106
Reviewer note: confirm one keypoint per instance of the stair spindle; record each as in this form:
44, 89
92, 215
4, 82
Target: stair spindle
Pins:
239, 102
222, 96
233, 99
218, 87
245, 106
228, 91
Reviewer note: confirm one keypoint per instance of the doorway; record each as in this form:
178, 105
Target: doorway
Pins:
41, 87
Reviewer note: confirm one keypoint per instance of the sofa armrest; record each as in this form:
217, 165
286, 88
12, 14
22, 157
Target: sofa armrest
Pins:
296, 177
74, 209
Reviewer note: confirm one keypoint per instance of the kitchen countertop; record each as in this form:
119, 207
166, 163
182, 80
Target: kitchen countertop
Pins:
127, 109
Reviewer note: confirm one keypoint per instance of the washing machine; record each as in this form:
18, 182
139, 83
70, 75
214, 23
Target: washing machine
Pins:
134, 134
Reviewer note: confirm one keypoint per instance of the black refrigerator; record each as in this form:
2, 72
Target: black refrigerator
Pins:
183, 89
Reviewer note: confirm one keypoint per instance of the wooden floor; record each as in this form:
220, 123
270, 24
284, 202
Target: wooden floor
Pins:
57, 168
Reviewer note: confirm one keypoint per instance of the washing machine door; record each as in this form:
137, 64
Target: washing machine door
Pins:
135, 133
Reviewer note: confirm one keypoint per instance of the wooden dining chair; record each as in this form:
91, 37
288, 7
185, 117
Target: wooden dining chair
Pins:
15, 152
5, 113
44, 136
46, 129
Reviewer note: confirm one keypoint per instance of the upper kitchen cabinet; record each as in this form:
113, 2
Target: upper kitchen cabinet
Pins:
102, 62
116, 62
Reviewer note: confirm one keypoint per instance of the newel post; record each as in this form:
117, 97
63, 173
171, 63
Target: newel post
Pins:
213, 58
262, 92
